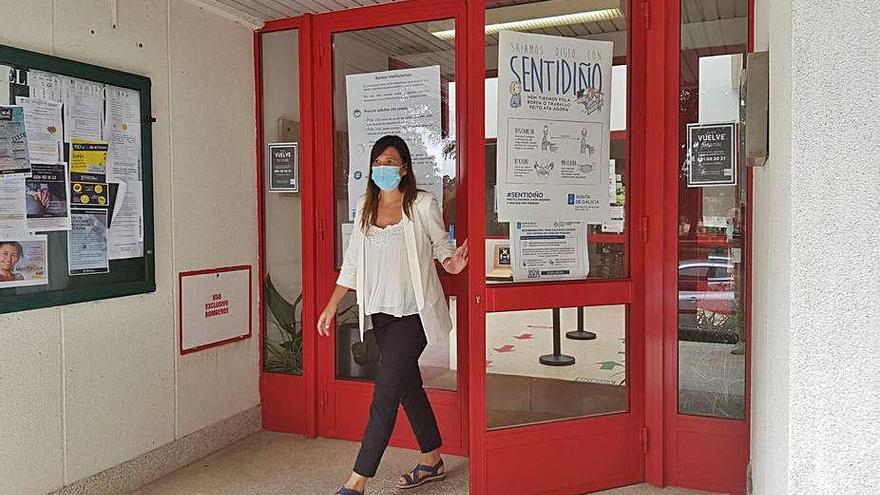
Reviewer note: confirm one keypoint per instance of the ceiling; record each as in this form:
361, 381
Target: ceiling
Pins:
708, 25
259, 11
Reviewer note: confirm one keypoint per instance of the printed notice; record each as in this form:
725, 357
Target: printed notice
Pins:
14, 158
402, 102
127, 226
42, 119
711, 159
23, 261
88, 172
13, 220
554, 107
46, 197
549, 251
5, 70
45, 86
87, 242
83, 109
122, 131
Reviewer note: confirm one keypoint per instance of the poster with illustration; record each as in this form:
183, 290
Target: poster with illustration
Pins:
554, 108
23, 261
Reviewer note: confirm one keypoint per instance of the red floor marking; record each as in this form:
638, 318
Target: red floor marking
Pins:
525, 336
504, 348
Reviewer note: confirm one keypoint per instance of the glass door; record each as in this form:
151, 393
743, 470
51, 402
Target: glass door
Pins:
286, 220
559, 398
381, 70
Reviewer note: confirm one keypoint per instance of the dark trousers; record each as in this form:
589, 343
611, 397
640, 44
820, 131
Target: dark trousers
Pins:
398, 381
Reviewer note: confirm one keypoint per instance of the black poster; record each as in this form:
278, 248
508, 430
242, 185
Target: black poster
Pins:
711, 157
283, 170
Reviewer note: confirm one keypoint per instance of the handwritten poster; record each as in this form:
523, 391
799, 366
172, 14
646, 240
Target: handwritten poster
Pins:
553, 128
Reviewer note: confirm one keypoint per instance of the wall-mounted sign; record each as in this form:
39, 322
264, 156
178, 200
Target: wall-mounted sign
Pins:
215, 307
711, 155
554, 110
283, 167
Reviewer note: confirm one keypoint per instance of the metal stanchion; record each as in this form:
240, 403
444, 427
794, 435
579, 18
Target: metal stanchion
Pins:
557, 358
580, 333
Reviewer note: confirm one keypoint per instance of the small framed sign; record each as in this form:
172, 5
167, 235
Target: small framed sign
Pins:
711, 155
214, 307
283, 167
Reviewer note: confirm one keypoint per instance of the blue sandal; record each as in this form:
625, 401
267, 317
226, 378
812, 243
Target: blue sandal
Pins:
413, 479
347, 491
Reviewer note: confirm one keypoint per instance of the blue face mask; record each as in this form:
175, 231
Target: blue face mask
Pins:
386, 177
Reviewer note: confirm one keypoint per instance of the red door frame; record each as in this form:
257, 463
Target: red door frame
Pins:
346, 420
503, 461
700, 452
654, 146
289, 402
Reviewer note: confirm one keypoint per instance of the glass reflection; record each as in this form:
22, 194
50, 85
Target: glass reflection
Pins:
711, 272
282, 286
392, 80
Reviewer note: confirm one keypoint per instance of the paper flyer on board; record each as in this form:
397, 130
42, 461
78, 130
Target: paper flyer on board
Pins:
46, 197
45, 86
122, 131
553, 128
126, 236
23, 261
14, 158
403, 102
13, 220
88, 173
4, 85
42, 119
87, 242
83, 109
549, 251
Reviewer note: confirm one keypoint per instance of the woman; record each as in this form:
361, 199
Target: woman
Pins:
10, 254
398, 233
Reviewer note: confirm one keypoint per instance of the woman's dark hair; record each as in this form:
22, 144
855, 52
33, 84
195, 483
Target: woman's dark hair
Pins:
407, 182
16, 245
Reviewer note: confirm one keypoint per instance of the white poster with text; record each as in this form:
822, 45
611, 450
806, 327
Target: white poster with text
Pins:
403, 102
549, 251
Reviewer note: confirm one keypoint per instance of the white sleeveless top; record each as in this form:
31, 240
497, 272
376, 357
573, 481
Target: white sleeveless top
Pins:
388, 282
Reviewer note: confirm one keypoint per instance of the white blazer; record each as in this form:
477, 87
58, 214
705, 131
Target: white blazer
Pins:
426, 240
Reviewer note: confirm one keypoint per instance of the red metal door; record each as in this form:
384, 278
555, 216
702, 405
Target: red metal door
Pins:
361, 41
537, 430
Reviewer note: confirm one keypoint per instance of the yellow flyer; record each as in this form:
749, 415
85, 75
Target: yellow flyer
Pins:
88, 160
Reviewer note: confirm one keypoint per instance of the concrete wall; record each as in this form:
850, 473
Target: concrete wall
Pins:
87, 386
816, 376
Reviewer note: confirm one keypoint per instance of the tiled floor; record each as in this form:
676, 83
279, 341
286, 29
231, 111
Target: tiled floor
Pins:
269, 463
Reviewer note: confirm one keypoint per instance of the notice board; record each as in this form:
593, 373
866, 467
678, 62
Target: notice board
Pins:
76, 184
